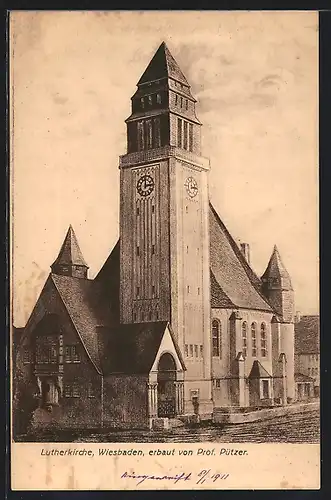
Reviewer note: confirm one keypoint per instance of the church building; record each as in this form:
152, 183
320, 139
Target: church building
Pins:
176, 322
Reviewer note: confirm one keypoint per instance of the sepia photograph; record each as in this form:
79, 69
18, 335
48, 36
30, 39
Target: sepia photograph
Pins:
165, 246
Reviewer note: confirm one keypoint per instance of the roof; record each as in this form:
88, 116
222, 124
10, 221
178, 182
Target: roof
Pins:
88, 308
132, 348
300, 377
70, 253
258, 371
307, 335
276, 269
218, 298
162, 65
238, 283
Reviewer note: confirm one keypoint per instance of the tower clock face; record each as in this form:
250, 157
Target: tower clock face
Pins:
191, 187
145, 185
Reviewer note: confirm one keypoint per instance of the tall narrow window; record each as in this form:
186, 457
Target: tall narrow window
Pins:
140, 130
186, 103
190, 141
179, 132
216, 337
176, 99
196, 350
186, 351
156, 133
150, 100
265, 389
149, 134
26, 356
185, 135
244, 338
75, 390
264, 346
142, 102
191, 350
158, 98
201, 351
181, 102
254, 345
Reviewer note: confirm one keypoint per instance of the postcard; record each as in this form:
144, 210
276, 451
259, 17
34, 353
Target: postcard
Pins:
164, 250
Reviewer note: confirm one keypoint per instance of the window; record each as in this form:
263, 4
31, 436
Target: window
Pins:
71, 390
179, 132
150, 100
140, 133
75, 390
198, 290
191, 350
90, 390
138, 251
153, 290
244, 338
264, 347
176, 99
149, 134
138, 291
217, 383
142, 102
265, 389
196, 350
158, 98
190, 142
157, 132
186, 104
46, 350
201, 351
26, 356
181, 102
216, 338
149, 316
53, 352
254, 345
138, 212
153, 249
185, 135
71, 354
188, 288
186, 350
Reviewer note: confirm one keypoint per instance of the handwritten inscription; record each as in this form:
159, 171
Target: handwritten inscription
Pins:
200, 478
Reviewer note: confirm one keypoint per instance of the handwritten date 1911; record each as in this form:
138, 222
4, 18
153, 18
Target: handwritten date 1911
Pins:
200, 478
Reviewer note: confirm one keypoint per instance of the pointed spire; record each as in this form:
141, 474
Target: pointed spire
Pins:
276, 271
70, 261
162, 65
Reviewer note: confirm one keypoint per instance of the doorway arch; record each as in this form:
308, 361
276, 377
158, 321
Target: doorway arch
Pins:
166, 386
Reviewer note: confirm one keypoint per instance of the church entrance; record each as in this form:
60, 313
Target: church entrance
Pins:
166, 386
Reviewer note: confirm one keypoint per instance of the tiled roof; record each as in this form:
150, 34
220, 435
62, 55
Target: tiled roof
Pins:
307, 335
132, 348
258, 371
218, 298
235, 277
70, 253
162, 65
84, 301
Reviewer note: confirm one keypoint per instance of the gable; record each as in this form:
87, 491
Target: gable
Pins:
167, 345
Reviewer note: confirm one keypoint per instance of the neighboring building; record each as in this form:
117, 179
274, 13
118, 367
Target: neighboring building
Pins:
176, 322
307, 356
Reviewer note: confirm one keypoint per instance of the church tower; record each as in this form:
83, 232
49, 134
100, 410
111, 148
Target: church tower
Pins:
164, 237
277, 287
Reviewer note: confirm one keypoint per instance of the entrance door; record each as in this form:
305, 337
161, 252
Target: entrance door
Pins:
166, 390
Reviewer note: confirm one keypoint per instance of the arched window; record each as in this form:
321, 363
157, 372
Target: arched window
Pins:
216, 338
264, 346
244, 338
254, 343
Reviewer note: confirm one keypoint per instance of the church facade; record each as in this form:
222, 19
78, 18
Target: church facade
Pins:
176, 322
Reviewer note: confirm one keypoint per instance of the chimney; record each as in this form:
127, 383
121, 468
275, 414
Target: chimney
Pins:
244, 247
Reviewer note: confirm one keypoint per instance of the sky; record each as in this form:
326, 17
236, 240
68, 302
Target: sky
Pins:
255, 76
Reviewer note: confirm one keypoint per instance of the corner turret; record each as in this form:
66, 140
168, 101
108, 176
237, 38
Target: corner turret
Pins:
70, 261
277, 287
